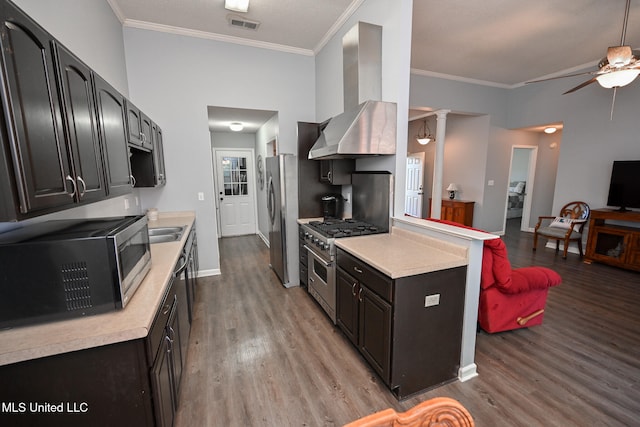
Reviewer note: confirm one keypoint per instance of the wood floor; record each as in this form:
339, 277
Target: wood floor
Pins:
263, 355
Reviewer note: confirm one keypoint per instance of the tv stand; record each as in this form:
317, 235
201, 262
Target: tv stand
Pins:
617, 245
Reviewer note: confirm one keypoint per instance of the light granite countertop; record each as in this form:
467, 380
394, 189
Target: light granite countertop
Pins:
132, 322
403, 253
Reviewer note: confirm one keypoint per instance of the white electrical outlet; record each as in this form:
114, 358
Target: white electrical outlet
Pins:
200, 195
491, 183
126, 204
137, 201
431, 300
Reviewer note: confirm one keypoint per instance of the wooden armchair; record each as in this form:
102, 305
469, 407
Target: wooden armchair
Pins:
567, 226
439, 411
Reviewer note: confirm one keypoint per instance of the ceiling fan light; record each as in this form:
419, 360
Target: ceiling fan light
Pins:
236, 126
237, 5
550, 129
617, 78
424, 141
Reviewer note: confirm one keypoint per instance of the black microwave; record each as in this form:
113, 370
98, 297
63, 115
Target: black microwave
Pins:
63, 269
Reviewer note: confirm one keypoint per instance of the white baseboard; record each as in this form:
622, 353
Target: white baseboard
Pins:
212, 272
465, 373
573, 249
264, 238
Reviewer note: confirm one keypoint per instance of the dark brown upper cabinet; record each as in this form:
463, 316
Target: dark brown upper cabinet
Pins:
35, 160
113, 136
81, 127
139, 128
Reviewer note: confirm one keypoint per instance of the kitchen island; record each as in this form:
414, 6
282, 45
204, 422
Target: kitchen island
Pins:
100, 369
400, 301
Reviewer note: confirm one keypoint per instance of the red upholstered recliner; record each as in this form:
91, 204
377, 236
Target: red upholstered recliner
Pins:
510, 299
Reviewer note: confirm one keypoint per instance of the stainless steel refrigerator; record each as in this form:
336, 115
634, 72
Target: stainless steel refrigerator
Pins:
277, 209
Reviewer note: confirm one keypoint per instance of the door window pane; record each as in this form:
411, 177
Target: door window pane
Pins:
234, 173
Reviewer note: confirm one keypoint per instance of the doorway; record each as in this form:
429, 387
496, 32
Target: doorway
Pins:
235, 189
521, 179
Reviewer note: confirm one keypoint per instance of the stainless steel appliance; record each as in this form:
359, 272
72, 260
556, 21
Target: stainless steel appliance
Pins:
319, 239
332, 206
372, 192
276, 169
71, 268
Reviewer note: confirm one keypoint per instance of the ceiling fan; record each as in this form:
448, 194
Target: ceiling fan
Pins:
620, 67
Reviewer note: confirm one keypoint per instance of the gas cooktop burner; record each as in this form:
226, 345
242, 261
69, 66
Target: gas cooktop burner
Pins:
344, 228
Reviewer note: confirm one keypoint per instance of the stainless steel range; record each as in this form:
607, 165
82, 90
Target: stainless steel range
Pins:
320, 238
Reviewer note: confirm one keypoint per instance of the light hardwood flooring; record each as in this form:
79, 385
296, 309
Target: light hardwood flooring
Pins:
263, 355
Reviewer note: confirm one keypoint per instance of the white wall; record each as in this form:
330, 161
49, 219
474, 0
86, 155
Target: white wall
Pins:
233, 140
90, 29
174, 78
590, 140
265, 134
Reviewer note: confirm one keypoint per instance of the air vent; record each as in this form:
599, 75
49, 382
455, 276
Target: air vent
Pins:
76, 285
240, 22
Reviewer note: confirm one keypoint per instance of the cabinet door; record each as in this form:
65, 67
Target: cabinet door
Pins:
81, 126
374, 333
347, 305
113, 136
134, 129
173, 331
158, 155
33, 117
458, 213
162, 382
146, 131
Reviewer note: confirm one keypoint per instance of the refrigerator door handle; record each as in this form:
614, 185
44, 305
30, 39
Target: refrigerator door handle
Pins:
271, 201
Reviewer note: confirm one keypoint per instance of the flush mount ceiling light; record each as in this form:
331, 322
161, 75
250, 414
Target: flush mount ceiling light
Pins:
550, 129
236, 126
424, 138
237, 5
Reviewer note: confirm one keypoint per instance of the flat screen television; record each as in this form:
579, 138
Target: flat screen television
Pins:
624, 189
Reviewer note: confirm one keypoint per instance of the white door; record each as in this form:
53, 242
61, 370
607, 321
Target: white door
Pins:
414, 192
236, 188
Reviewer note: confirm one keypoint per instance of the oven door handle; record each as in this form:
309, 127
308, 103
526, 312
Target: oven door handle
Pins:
326, 264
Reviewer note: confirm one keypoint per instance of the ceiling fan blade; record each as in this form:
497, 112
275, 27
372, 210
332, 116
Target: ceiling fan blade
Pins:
580, 86
562, 77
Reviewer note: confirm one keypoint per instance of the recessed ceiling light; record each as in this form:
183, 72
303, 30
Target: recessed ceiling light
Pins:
237, 5
236, 126
550, 130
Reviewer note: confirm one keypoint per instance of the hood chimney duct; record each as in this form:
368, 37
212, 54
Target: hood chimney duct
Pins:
362, 64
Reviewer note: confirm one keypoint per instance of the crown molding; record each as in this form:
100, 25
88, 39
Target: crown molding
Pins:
355, 4
116, 10
213, 36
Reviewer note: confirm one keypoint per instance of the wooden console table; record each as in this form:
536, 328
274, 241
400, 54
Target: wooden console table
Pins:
613, 244
460, 211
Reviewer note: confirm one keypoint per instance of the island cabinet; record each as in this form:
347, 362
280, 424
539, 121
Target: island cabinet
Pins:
130, 383
408, 329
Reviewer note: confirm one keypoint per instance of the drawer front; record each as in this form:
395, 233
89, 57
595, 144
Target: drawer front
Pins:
372, 278
157, 332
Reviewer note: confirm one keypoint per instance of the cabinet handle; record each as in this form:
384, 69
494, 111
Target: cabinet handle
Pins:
357, 270
167, 307
73, 183
360, 295
353, 288
133, 180
329, 175
169, 343
84, 186
173, 333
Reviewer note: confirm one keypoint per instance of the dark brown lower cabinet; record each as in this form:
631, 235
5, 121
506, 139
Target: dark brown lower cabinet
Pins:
131, 383
409, 329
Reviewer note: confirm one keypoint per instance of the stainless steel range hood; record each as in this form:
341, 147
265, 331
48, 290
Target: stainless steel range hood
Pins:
368, 126
369, 129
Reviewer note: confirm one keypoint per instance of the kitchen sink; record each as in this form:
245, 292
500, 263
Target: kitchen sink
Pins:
165, 234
